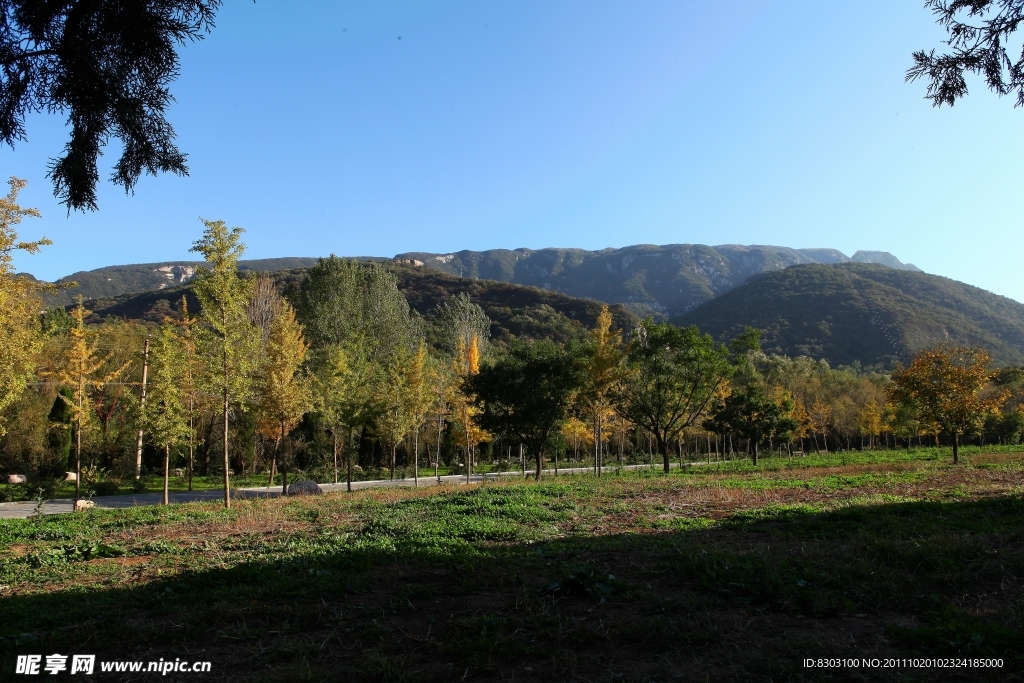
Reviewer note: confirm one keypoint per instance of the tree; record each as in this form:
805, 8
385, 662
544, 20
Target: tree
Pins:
943, 385
458, 319
107, 65
603, 370
167, 414
671, 378
230, 340
283, 393
753, 415
78, 372
343, 395
524, 395
343, 302
191, 379
20, 339
979, 33
466, 365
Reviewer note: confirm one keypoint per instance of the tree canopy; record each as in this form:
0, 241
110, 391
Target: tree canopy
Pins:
107, 66
979, 33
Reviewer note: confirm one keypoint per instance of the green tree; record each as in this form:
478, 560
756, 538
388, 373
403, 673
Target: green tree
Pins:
107, 66
229, 340
343, 385
672, 375
753, 415
167, 414
943, 385
524, 395
343, 302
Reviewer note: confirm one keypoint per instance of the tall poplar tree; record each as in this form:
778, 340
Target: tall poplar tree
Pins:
603, 366
230, 340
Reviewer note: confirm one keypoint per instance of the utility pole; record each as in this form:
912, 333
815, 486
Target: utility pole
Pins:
142, 408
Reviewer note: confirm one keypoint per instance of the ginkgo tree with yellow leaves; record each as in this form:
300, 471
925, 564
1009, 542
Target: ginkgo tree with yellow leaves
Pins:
282, 389
20, 341
79, 369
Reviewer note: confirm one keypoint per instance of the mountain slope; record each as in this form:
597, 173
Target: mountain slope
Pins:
113, 281
514, 310
667, 280
869, 313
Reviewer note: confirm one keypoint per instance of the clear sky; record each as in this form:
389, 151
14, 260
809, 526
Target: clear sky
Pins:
373, 128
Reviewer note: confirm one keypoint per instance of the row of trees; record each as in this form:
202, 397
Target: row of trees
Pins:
341, 362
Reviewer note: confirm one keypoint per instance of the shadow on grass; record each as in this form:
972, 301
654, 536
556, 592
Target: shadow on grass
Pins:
430, 588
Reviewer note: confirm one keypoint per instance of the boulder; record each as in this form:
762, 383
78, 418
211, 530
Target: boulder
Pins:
17, 479
84, 505
70, 476
304, 487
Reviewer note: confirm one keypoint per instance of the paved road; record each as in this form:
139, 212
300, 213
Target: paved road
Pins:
61, 505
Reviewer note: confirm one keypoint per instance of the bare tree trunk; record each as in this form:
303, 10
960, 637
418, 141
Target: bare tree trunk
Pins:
348, 451
956, 448
142, 408
227, 467
78, 446
416, 459
540, 462
664, 447
755, 452
167, 469
335, 435
273, 461
191, 447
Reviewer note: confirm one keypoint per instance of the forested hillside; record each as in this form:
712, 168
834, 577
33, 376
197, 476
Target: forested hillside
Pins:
667, 280
868, 313
514, 310
663, 281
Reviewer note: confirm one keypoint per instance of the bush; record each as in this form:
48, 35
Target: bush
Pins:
106, 488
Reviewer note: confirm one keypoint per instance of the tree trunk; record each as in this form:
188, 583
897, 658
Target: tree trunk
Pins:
78, 448
348, 451
273, 461
227, 466
191, 448
335, 435
142, 408
540, 462
416, 459
956, 448
665, 448
167, 469
754, 441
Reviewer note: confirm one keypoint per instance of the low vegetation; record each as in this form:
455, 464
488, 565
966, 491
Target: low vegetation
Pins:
722, 571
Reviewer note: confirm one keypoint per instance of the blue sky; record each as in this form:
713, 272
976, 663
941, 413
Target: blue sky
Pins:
364, 128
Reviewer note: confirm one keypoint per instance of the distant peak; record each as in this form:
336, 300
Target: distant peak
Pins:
883, 258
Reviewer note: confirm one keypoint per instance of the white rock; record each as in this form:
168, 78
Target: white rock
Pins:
17, 479
84, 505
70, 476
303, 487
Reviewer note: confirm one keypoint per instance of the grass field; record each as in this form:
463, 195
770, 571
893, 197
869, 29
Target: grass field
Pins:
721, 572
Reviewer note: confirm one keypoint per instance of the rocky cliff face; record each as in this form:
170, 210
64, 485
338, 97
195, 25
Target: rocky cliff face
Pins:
667, 280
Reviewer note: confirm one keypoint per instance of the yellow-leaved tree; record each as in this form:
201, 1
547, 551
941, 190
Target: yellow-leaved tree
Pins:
20, 339
283, 391
79, 372
467, 364
603, 366
943, 385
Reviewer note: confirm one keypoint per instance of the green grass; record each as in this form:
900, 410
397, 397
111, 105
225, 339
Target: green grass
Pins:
721, 573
